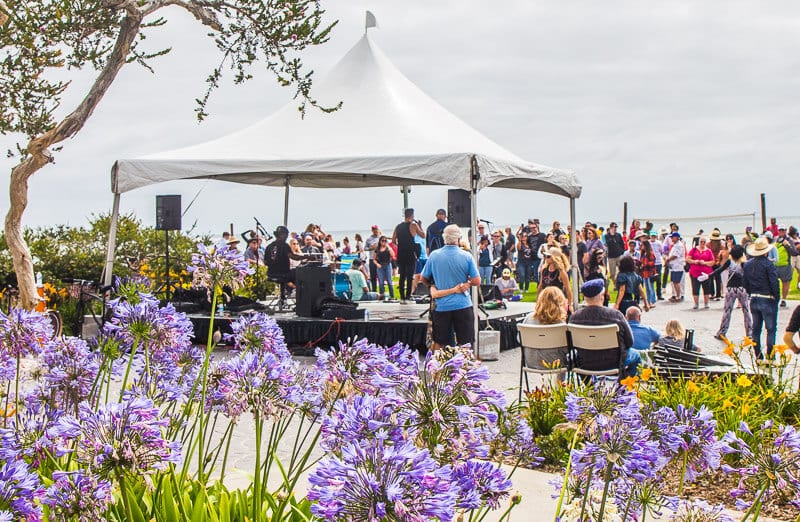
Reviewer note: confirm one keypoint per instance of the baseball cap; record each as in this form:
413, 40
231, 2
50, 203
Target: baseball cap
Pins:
375, 227
781, 227
675, 234
441, 211
613, 224
506, 272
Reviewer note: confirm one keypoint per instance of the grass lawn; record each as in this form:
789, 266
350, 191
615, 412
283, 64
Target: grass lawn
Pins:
530, 295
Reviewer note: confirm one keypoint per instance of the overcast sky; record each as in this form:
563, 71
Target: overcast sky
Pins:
681, 108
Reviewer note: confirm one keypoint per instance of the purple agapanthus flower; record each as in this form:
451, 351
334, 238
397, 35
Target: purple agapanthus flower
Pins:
480, 484
665, 429
126, 437
259, 332
699, 443
131, 288
19, 490
218, 266
69, 370
518, 442
362, 418
699, 510
22, 333
263, 383
377, 481
769, 463
77, 496
453, 409
620, 444
601, 401
147, 325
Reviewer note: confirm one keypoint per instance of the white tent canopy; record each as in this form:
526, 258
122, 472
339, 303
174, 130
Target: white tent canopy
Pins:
387, 133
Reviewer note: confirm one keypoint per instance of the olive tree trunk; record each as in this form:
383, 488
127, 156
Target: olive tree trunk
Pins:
38, 154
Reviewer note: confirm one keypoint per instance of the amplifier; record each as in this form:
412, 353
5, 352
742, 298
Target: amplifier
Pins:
313, 284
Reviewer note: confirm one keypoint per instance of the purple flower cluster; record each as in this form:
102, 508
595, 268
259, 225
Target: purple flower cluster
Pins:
218, 266
19, 489
699, 445
22, 333
479, 484
259, 333
77, 496
768, 464
375, 480
263, 383
699, 511
70, 369
119, 437
147, 325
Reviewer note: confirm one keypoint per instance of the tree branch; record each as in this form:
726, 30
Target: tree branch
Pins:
203, 15
38, 155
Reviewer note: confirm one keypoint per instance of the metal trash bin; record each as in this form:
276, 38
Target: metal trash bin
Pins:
488, 345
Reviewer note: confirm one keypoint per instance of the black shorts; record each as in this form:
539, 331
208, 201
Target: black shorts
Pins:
707, 286
461, 320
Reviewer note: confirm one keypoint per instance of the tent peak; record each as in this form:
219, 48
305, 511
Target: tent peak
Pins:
371, 21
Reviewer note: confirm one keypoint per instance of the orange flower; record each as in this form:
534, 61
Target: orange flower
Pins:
629, 382
10, 412
780, 348
748, 342
728, 350
646, 374
691, 387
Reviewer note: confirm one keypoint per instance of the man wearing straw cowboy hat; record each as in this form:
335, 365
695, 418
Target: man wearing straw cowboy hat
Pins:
761, 282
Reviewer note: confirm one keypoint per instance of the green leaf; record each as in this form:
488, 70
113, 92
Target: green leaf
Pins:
198, 513
170, 511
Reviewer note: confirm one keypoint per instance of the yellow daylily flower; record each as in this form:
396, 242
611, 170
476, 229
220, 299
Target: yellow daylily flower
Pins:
745, 409
646, 374
770, 394
748, 342
728, 350
727, 403
691, 387
780, 348
743, 381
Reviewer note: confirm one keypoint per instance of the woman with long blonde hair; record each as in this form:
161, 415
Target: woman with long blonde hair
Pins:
554, 273
551, 307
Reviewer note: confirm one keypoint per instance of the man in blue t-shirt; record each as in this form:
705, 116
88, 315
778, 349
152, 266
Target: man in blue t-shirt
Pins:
643, 336
451, 272
433, 235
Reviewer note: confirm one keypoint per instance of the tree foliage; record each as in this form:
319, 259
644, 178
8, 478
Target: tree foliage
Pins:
63, 252
42, 41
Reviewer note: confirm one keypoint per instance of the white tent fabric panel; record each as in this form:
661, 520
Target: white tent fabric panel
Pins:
387, 132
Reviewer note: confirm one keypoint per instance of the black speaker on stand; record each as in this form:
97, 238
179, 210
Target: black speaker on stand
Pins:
458, 208
313, 284
168, 217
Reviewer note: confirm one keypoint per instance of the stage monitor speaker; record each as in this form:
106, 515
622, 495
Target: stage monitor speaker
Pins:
458, 207
313, 283
168, 212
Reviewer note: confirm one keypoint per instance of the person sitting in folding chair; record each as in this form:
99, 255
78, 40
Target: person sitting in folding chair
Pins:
276, 259
595, 314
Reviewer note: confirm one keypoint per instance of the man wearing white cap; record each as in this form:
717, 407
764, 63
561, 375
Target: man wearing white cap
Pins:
785, 249
506, 284
761, 282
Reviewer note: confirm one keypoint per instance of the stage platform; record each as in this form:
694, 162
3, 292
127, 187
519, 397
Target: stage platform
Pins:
388, 323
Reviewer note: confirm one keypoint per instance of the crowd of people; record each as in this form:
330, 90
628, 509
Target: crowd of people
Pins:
644, 265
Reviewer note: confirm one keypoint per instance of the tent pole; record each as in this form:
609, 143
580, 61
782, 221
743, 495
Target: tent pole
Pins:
405, 192
573, 253
111, 247
473, 213
286, 203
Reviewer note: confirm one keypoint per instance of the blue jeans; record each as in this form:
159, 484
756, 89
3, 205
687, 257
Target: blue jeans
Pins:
525, 273
385, 276
486, 274
535, 270
765, 314
632, 362
651, 293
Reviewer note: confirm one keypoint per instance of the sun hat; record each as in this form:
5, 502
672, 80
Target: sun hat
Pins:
552, 251
640, 233
759, 247
663, 231
716, 235
593, 287
233, 241
506, 272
